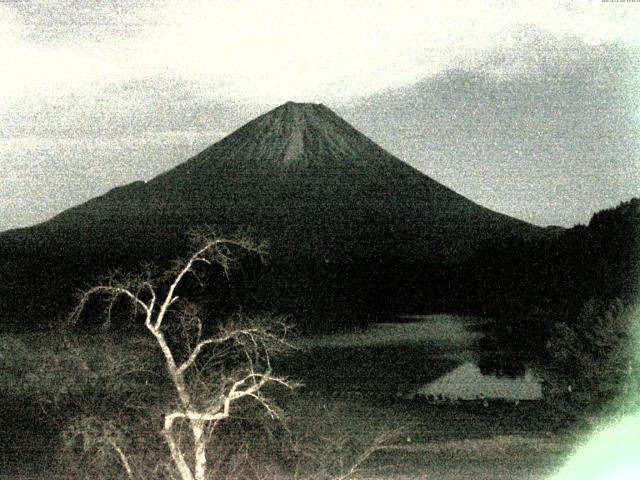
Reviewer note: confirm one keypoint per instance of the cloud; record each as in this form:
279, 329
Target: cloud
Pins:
276, 50
74, 21
344, 49
551, 144
137, 108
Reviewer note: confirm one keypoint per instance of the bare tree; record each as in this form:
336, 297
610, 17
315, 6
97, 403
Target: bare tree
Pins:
202, 401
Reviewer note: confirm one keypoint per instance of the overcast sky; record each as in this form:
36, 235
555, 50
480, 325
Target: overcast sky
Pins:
529, 108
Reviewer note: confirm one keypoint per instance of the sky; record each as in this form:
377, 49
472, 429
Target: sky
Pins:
528, 108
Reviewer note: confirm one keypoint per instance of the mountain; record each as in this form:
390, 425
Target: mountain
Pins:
345, 219
302, 171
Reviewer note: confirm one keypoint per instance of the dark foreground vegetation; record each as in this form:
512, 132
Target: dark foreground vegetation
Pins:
96, 402
568, 304
188, 399
64, 401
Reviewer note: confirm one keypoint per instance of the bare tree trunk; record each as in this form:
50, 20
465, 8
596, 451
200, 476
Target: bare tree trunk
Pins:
176, 453
197, 426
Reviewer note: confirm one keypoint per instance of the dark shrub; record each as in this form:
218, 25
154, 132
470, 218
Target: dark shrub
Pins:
591, 364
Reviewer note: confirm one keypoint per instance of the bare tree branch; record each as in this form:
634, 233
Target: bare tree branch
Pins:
252, 342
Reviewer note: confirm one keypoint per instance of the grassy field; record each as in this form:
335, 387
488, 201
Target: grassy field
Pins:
452, 441
47, 382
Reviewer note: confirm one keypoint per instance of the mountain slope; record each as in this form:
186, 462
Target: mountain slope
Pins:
344, 217
301, 164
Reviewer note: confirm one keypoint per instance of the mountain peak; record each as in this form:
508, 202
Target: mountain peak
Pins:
301, 105
295, 111
292, 134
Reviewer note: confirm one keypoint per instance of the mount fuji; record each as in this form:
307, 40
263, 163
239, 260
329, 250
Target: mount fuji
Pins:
344, 217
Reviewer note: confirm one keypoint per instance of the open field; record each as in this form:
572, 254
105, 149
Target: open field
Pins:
46, 380
436, 442
453, 441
